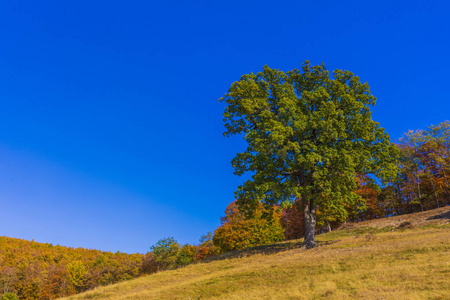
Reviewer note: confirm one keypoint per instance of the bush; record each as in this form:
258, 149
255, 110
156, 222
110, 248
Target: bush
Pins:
187, 255
149, 264
248, 233
166, 253
237, 232
207, 247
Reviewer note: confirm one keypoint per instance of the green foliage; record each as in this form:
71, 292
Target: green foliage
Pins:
188, 254
308, 137
238, 232
166, 252
9, 296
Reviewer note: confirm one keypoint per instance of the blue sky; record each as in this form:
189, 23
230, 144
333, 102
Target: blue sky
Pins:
110, 126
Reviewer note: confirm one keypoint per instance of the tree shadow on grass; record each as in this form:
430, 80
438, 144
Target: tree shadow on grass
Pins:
264, 250
445, 215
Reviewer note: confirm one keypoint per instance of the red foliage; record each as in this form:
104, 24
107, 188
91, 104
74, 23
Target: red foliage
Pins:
292, 220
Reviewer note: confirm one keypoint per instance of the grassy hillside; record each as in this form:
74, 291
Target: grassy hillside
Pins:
405, 257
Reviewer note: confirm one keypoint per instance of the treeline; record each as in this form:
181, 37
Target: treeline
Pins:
31, 270
424, 172
34, 270
423, 179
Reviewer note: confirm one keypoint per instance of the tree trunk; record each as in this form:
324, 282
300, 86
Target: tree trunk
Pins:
418, 188
445, 176
434, 188
310, 223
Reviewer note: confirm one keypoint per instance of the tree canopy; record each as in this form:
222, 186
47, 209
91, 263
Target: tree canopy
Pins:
424, 169
308, 136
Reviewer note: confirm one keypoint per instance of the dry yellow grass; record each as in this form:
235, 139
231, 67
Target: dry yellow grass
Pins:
355, 264
430, 217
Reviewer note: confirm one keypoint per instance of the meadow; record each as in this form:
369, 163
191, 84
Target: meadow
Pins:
405, 257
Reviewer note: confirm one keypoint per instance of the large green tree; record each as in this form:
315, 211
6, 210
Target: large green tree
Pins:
308, 135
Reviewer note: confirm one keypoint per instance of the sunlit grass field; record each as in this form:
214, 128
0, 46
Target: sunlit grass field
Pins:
358, 263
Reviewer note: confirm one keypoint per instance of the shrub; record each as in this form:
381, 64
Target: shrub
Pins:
149, 264
166, 253
238, 232
187, 255
207, 247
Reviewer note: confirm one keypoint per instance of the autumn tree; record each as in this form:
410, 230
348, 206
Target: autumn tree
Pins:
239, 232
369, 191
308, 135
77, 272
206, 247
166, 252
8, 277
424, 168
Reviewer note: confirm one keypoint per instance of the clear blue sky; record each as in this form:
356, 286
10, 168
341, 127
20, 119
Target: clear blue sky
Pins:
110, 128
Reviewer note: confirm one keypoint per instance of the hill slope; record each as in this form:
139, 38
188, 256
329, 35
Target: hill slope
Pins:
372, 260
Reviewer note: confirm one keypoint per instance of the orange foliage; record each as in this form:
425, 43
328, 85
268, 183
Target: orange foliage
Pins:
238, 232
370, 195
43, 271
